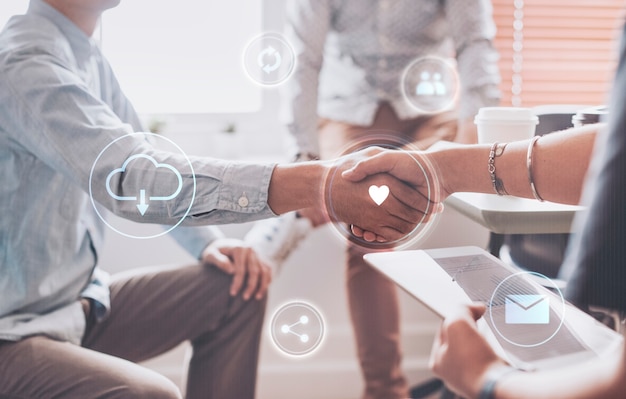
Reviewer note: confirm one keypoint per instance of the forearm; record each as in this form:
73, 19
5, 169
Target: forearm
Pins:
467, 363
296, 186
559, 164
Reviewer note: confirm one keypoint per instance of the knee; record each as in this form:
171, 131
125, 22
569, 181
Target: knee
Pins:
252, 308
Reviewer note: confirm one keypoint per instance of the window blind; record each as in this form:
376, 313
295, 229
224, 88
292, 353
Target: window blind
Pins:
557, 51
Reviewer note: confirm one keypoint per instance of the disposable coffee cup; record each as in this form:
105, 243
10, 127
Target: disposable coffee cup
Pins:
505, 124
588, 116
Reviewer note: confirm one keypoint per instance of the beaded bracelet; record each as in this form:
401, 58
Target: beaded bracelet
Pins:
496, 150
529, 166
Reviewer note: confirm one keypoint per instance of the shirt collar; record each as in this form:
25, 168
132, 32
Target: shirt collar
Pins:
80, 42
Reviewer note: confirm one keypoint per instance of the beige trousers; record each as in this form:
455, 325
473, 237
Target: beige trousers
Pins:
152, 311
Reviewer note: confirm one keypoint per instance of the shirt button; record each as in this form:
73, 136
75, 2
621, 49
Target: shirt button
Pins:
243, 201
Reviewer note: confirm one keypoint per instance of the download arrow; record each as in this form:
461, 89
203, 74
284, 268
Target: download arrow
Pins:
142, 206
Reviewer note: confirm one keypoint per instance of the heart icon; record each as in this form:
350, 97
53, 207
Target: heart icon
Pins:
379, 194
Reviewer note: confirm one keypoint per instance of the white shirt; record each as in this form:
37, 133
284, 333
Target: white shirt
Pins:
351, 55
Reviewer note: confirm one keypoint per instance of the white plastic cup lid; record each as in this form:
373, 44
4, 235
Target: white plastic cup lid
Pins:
505, 115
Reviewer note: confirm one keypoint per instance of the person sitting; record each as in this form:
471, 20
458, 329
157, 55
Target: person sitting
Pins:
66, 328
552, 168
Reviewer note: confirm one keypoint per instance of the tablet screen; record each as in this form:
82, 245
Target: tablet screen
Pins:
525, 317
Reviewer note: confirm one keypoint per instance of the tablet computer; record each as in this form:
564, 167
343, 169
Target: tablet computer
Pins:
532, 326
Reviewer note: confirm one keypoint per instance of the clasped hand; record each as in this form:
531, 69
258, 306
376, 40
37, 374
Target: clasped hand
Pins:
414, 193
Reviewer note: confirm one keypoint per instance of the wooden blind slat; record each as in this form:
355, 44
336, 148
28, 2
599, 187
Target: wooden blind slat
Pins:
568, 49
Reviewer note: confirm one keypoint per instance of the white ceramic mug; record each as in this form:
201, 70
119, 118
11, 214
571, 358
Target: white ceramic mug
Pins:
505, 124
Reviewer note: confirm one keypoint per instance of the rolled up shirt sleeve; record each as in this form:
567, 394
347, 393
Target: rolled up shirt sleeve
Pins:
237, 191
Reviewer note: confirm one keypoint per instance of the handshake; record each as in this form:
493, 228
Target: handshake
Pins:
383, 195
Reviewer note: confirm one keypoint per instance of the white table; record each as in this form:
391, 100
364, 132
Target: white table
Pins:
511, 215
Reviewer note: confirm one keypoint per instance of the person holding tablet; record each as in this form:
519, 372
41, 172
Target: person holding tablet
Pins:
552, 168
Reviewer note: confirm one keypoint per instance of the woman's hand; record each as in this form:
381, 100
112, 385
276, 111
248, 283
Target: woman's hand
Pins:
461, 356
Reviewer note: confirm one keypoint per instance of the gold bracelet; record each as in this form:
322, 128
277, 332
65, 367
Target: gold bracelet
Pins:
529, 166
496, 150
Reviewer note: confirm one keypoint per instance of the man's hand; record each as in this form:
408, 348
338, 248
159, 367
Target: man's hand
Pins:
234, 257
411, 168
461, 356
349, 197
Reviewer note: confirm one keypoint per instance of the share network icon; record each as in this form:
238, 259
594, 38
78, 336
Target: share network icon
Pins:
297, 328
287, 329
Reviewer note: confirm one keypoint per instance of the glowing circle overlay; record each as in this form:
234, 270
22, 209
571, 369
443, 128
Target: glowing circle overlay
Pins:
510, 340
265, 49
142, 134
391, 141
308, 328
448, 81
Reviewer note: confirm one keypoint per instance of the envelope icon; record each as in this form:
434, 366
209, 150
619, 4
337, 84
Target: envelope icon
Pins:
527, 309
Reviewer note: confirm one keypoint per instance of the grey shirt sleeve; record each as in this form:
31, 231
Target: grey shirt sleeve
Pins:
192, 239
472, 29
308, 23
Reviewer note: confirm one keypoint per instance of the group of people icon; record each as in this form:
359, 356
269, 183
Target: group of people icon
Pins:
430, 85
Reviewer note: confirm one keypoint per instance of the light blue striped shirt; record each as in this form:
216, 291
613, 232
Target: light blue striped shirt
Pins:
60, 106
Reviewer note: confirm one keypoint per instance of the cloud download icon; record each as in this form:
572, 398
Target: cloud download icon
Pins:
142, 184
142, 205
